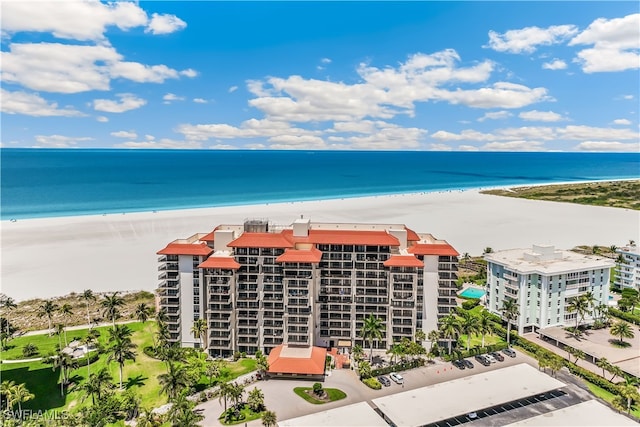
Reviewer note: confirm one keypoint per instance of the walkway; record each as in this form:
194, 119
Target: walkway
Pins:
80, 327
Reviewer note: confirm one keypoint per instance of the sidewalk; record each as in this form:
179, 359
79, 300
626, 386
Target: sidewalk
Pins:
79, 327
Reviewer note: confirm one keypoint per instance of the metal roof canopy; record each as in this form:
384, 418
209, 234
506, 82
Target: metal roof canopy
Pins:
356, 415
441, 401
589, 413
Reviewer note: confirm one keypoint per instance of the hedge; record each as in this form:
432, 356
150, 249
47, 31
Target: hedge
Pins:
372, 383
469, 304
629, 317
593, 378
151, 352
474, 351
398, 367
92, 356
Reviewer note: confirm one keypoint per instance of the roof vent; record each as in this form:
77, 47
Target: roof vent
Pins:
256, 226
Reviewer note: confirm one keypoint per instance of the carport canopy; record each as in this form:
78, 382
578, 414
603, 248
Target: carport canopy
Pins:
356, 415
450, 399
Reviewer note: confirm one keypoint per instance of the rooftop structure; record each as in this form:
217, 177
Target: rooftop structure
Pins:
463, 395
542, 281
356, 415
297, 361
260, 285
627, 273
585, 414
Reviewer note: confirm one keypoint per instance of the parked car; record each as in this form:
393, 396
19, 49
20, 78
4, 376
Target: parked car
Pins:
458, 364
509, 352
498, 356
397, 378
467, 363
472, 415
490, 358
384, 381
483, 360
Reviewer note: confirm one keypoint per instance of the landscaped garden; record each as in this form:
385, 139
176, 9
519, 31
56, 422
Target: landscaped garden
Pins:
319, 395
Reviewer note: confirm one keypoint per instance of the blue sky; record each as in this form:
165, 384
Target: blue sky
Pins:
503, 76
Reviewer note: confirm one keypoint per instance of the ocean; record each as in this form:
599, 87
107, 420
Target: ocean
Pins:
38, 183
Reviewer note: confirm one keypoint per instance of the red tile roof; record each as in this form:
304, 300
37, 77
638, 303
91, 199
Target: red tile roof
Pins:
312, 255
261, 240
208, 237
223, 262
443, 249
346, 237
186, 249
313, 365
412, 236
403, 261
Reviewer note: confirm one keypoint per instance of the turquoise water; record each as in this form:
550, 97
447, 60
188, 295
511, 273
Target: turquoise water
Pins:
473, 293
67, 182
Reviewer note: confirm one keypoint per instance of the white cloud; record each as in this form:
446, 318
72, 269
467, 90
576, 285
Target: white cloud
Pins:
149, 137
608, 146
514, 146
233, 89
125, 134
588, 133
248, 129
170, 97
440, 147
31, 104
163, 143
59, 141
78, 20
189, 72
615, 44
127, 102
200, 101
495, 115
468, 148
556, 64
326, 60
501, 95
541, 116
528, 39
622, 122
55, 67
102, 119
628, 97
164, 24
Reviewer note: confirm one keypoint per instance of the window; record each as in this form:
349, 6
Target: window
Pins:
196, 314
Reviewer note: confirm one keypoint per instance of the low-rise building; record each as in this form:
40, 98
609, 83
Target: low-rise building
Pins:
542, 281
627, 272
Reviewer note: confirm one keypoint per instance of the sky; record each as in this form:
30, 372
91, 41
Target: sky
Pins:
449, 75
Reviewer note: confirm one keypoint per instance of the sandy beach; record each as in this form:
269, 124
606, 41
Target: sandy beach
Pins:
51, 257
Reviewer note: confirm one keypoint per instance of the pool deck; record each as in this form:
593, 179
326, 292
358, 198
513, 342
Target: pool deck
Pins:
472, 288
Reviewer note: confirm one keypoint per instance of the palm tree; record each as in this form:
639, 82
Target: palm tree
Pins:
66, 310
372, 329
485, 325
121, 348
110, 303
64, 362
212, 370
256, 400
469, 325
199, 330
223, 393
577, 353
555, 364
487, 250
604, 364
364, 369
623, 330
630, 392
97, 383
162, 316
420, 336
595, 249
450, 328
269, 419
89, 340
175, 380
262, 364
357, 352
509, 311
163, 334
20, 394
59, 330
142, 312
47, 308
8, 304
433, 336
236, 393
6, 388
87, 296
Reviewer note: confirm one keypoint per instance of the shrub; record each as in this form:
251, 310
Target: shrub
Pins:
403, 366
593, 378
372, 383
29, 350
469, 304
629, 317
236, 355
317, 388
150, 351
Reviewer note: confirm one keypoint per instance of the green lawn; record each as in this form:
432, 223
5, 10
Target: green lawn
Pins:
476, 340
246, 415
608, 396
333, 394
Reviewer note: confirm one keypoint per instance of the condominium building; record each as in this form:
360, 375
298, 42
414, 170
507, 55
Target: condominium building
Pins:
627, 272
259, 285
542, 281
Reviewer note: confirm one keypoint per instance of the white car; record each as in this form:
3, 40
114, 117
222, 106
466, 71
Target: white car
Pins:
490, 358
397, 378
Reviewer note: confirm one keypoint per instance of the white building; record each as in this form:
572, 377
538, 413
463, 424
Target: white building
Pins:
542, 281
627, 273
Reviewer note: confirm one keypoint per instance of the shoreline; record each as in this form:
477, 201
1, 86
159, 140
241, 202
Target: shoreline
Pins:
46, 257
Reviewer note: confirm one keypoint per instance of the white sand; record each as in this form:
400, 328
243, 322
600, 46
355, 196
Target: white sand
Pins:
54, 256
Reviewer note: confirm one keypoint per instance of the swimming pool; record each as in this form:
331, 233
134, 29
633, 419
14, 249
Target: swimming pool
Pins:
474, 293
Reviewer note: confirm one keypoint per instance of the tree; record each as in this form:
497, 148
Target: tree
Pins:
236, 393
372, 329
59, 330
66, 310
89, 340
364, 369
396, 350
357, 352
555, 364
509, 312
595, 249
269, 419
223, 393
213, 370
604, 364
8, 304
469, 325
613, 249
29, 350
630, 392
47, 308
543, 360
64, 362
433, 336
255, 400
142, 312
485, 325
6, 388
181, 413
616, 371
420, 336
96, 384
580, 306
487, 250
111, 303
87, 296
162, 334
262, 363
20, 394
121, 348
578, 354
622, 329
199, 330
162, 316
175, 380
450, 328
